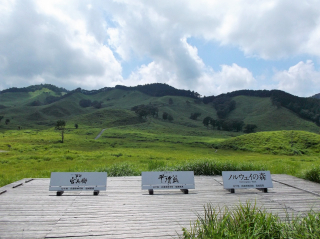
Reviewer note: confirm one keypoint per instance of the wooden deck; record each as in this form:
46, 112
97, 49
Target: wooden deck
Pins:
125, 211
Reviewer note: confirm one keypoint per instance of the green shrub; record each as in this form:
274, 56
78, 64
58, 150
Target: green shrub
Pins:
313, 174
68, 157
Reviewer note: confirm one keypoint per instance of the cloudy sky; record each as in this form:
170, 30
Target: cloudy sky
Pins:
209, 46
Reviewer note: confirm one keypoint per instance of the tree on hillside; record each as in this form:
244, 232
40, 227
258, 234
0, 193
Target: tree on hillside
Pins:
85, 103
223, 106
227, 125
249, 128
35, 103
60, 125
237, 125
165, 115
219, 123
194, 116
97, 104
206, 121
7, 121
76, 126
145, 110
1, 117
213, 123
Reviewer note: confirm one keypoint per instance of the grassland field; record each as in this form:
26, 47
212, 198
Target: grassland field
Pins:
34, 153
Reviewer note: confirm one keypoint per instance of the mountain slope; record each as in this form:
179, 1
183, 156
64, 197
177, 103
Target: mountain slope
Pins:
32, 109
260, 111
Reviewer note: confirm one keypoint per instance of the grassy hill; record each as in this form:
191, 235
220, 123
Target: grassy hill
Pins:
260, 111
32, 110
275, 142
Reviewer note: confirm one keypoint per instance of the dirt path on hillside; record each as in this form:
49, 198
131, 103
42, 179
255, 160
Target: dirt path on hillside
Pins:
98, 136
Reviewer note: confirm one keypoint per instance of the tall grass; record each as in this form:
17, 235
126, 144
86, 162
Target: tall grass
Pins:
249, 221
207, 167
199, 167
119, 170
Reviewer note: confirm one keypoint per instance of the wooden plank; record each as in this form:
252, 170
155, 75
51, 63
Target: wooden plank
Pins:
126, 211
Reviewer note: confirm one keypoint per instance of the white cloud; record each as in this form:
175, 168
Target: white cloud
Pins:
300, 79
266, 29
85, 43
230, 78
45, 42
151, 73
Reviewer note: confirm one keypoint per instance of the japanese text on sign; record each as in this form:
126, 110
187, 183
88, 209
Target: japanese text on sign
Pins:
252, 176
76, 179
167, 179
246, 179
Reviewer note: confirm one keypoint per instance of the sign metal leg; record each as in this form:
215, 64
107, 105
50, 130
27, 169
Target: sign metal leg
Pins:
185, 191
59, 193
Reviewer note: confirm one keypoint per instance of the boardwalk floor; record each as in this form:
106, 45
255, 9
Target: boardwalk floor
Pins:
125, 211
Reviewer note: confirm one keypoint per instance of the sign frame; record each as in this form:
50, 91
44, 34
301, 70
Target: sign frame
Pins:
78, 181
167, 180
260, 180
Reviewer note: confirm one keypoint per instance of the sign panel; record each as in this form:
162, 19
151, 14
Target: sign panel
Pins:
246, 179
168, 180
78, 181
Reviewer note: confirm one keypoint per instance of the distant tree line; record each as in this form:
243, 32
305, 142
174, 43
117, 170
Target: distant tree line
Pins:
144, 110
159, 89
92, 92
256, 93
316, 96
34, 88
84, 103
228, 125
223, 106
307, 108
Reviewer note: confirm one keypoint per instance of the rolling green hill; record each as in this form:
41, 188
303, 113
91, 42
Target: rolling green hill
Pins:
41, 106
260, 111
275, 142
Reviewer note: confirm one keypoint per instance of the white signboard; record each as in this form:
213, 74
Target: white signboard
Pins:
246, 179
78, 181
168, 180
